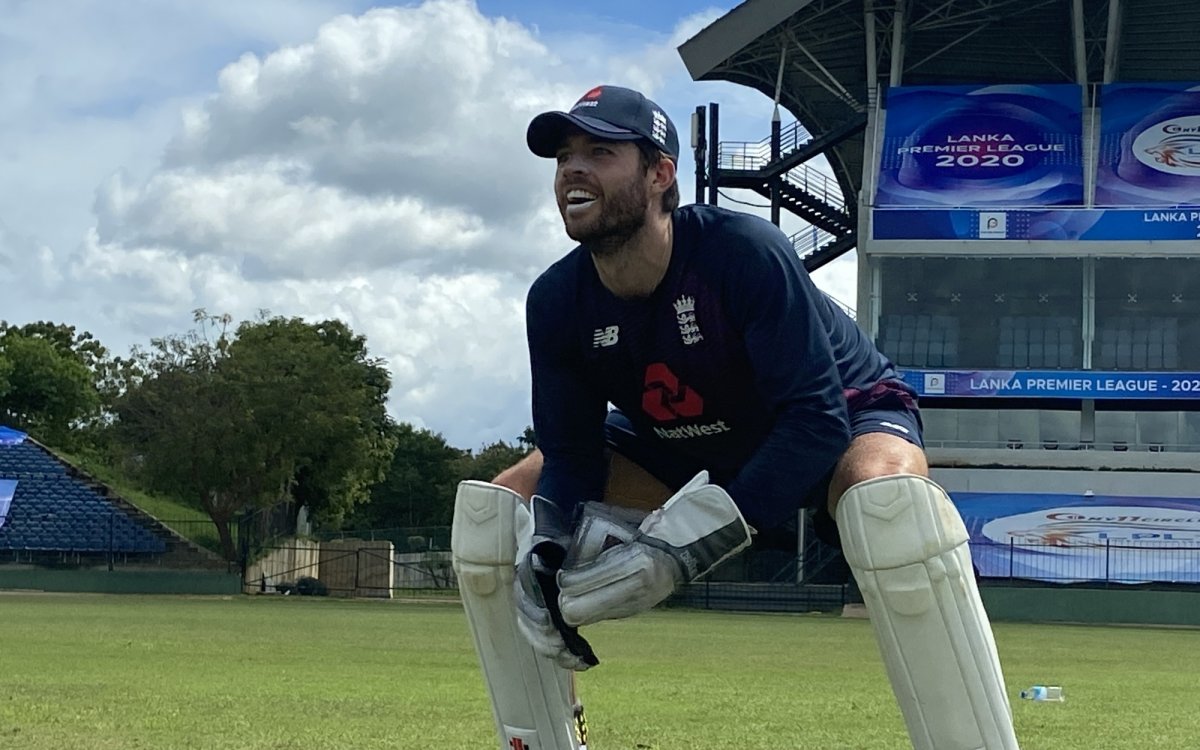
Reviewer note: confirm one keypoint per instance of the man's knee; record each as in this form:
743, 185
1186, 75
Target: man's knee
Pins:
872, 456
522, 477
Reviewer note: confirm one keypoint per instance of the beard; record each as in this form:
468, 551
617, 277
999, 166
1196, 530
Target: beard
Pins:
623, 215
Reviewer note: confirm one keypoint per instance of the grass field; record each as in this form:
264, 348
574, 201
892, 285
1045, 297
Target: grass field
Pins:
130, 672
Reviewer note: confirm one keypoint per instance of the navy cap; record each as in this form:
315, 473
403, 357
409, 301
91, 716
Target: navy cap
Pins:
609, 112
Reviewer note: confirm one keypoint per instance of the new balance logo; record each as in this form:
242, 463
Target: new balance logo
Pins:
605, 337
516, 743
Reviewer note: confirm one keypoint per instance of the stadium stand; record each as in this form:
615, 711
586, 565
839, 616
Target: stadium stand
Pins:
920, 340
53, 511
1037, 341
1145, 343
1045, 328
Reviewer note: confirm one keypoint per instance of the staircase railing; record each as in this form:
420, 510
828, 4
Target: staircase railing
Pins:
751, 155
817, 184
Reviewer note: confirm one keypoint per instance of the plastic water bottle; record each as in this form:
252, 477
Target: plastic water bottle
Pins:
1040, 693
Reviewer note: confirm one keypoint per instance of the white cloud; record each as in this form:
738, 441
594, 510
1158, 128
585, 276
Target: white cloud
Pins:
377, 174
366, 167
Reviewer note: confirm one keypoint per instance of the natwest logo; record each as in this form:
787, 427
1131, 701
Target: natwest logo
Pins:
692, 430
665, 398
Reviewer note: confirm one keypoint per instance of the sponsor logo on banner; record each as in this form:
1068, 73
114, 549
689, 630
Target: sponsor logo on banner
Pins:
1172, 146
993, 225
1011, 145
1149, 146
935, 384
1065, 538
1097, 384
1063, 224
1091, 525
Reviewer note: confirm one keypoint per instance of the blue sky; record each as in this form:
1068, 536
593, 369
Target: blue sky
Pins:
319, 158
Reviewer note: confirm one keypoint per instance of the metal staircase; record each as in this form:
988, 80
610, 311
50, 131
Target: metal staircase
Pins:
776, 169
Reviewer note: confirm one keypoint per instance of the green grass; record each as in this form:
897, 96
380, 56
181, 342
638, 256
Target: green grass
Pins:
269, 673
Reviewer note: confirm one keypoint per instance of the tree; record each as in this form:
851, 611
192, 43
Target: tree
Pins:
320, 400
5, 372
527, 440
47, 389
189, 432
83, 347
283, 410
419, 485
491, 460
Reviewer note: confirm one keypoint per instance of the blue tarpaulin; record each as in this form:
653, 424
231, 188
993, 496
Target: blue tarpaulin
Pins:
9, 436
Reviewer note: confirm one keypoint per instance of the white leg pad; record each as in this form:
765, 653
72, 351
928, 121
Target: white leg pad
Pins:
907, 546
533, 700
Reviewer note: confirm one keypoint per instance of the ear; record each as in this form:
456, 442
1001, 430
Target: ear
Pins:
662, 176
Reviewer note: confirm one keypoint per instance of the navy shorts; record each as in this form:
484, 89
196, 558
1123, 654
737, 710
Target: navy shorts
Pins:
889, 407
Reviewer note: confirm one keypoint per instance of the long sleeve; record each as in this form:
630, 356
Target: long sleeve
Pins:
780, 310
568, 413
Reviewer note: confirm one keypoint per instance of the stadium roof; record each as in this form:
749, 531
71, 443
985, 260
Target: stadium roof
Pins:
825, 45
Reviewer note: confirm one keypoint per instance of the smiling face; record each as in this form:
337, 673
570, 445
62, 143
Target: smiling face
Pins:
601, 189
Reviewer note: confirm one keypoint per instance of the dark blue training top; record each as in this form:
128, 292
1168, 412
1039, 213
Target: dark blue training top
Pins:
736, 363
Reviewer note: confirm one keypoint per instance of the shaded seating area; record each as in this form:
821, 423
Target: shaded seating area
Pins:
1145, 343
920, 340
1038, 342
52, 511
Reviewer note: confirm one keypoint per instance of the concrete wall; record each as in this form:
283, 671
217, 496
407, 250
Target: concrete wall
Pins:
354, 567
119, 581
293, 560
1098, 606
1059, 481
424, 570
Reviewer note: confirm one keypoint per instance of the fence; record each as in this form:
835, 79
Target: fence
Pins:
352, 567
1091, 561
417, 563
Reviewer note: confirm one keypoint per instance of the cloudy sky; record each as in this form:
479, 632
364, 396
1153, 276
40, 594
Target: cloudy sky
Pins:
320, 158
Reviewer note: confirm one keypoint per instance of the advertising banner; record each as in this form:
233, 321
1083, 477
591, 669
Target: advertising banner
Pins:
1054, 384
1149, 145
8, 488
994, 145
1070, 538
1052, 224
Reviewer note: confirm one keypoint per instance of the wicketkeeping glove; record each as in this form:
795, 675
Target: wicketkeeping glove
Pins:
698, 528
538, 616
